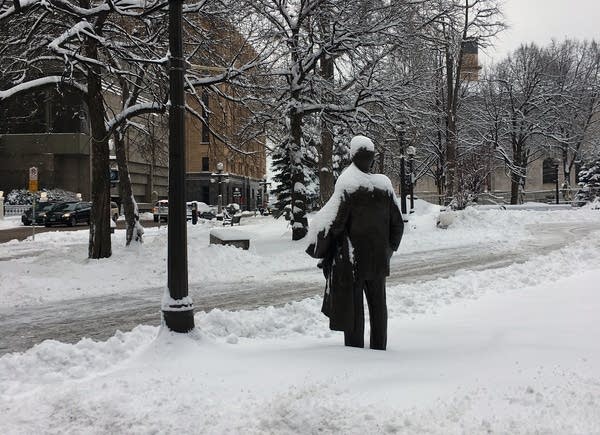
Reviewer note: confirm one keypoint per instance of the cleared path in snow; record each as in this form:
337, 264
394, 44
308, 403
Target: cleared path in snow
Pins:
100, 317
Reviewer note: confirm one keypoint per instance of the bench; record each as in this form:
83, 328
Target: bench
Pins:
232, 219
229, 237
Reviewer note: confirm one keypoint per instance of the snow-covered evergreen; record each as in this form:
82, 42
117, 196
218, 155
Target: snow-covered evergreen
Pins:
589, 182
24, 196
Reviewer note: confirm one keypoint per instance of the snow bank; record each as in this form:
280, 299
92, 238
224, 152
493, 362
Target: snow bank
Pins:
10, 222
55, 267
508, 350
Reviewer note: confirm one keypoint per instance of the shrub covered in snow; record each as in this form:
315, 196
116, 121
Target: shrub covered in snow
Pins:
589, 182
24, 196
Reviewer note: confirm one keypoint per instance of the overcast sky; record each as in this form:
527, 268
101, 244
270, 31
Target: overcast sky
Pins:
541, 20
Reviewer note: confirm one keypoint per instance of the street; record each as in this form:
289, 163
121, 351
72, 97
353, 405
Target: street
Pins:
22, 232
100, 317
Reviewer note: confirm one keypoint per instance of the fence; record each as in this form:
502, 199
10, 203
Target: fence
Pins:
565, 196
15, 210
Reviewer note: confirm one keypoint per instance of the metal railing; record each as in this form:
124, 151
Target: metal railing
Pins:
566, 196
15, 210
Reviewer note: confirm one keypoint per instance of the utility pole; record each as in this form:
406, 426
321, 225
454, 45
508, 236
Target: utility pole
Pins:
556, 163
403, 189
178, 311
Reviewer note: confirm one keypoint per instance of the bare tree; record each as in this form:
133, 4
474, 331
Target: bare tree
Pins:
461, 23
574, 76
115, 54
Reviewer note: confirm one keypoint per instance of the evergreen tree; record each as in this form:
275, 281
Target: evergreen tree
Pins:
589, 182
283, 181
281, 164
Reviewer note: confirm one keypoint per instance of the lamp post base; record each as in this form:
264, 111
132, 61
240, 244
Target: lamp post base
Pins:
179, 321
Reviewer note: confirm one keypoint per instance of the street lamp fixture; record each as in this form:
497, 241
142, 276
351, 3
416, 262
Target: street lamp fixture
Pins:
403, 184
177, 308
219, 177
411, 151
264, 184
556, 164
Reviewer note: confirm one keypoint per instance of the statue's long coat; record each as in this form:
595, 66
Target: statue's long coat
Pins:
358, 243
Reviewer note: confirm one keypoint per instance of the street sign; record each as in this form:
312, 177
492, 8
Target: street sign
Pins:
33, 179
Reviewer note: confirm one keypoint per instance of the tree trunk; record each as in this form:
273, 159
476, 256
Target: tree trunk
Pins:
126, 192
450, 130
326, 179
99, 243
516, 179
299, 221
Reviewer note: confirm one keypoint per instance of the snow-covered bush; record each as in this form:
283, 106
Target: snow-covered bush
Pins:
25, 197
589, 183
445, 219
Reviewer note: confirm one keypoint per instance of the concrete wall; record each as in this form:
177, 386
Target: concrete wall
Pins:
535, 188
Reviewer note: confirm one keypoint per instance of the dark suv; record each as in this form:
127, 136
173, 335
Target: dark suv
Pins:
41, 209
68, 213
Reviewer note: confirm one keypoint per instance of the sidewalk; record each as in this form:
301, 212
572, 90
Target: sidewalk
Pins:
512, 359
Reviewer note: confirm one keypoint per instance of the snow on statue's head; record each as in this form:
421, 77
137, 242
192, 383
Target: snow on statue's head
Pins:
362, 152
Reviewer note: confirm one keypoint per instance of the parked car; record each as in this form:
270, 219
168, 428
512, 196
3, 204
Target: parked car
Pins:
161, 210
68, 213
208, 214
206, 211
114, 211
40, 213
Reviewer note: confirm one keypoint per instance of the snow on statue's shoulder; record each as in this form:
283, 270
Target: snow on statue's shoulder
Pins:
349, 181
353, 179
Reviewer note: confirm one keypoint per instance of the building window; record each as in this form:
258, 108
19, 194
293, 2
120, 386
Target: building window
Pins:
548, 171
205, 163
205, 113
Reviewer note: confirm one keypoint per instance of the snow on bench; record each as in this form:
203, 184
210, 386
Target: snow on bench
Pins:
228, 236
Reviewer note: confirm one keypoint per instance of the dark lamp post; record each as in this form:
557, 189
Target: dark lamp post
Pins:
264, 184
178, 309
403, 188
411, 151
556, 163
219, 177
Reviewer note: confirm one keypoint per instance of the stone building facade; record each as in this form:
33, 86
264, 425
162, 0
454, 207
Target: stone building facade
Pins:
540, 184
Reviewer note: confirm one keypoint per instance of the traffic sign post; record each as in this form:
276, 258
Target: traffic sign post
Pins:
1, 204
33, 179
33, 188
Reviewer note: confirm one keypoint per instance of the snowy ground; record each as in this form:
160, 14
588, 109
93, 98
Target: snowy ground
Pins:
10, 222
507, 350
54, 267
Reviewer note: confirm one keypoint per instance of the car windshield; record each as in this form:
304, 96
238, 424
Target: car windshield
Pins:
45, 206
66, 206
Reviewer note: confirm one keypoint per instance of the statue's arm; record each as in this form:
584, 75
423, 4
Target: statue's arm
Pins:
325, 245
396, 225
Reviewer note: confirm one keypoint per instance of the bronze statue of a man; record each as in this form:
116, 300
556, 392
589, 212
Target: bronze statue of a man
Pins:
355, 234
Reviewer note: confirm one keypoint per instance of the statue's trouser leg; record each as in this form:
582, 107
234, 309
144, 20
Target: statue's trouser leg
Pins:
356, 337
375, 292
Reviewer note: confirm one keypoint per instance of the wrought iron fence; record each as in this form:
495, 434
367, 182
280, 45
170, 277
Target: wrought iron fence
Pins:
15, 210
